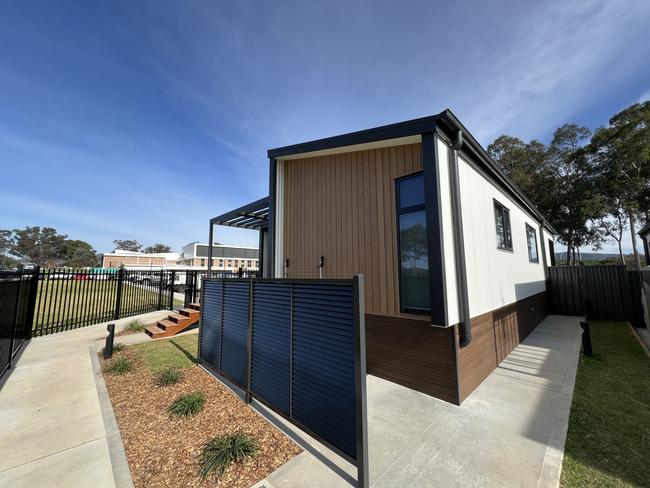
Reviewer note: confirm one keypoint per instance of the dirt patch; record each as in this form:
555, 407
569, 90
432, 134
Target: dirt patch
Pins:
164, 452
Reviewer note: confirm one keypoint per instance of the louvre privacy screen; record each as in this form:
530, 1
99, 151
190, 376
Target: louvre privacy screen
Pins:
298, 346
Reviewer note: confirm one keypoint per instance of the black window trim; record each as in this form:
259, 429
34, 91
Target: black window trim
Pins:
398, 212
503, 207
530, 227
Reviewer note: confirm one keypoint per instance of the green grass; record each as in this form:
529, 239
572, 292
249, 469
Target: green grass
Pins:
220, 452
65, 303
186, 405
177, 352
608, 443
119, 365
168, 376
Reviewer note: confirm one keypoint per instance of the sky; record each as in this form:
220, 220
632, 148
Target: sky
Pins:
142, 119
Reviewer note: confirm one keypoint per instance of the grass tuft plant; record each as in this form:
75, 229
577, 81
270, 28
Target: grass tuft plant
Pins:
168, 376
119, 365
186, 405
134, 326
220, 452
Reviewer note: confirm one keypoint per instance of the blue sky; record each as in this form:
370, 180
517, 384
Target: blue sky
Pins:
141, 120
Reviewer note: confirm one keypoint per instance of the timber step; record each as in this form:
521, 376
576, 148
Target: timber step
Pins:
175, 322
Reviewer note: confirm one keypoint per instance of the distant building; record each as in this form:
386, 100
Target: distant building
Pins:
120, 257
223, 257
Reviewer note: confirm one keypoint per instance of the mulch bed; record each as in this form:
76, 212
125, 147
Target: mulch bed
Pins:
164, 452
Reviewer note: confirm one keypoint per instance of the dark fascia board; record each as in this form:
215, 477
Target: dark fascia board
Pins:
392, 131
644, 229
445, 121
449, 124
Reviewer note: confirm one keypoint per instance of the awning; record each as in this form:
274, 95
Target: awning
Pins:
254, 216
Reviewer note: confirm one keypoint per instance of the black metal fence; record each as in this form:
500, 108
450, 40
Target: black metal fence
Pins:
67, 299
297, 346
608, 292
17, 295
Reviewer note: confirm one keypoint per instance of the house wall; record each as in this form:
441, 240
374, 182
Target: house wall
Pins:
506, 291
342, 206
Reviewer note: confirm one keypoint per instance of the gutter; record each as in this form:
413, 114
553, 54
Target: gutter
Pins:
459, 243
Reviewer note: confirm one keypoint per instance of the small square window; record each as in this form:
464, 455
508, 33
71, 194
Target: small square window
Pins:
531, 238
502, 224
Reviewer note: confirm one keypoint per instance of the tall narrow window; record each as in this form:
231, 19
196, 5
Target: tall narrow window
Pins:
412, 244
531, 237
502, 223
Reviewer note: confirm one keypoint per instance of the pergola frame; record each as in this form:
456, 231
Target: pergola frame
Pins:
252, 216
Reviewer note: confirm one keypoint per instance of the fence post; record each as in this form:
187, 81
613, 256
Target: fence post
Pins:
249, 340
118, 298
360, 383
160, 288
172, 291
15, 320
31, 302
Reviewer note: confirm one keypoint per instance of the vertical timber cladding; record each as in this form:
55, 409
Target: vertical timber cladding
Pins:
342, 206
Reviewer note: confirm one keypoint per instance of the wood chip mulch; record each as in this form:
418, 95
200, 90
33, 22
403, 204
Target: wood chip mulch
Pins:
164, 452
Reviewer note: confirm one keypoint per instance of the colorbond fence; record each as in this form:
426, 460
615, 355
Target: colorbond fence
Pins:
597, 292
17, 294
297, 346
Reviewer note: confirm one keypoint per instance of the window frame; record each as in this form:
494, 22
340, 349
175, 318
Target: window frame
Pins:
531, 228
399, 211
505, 212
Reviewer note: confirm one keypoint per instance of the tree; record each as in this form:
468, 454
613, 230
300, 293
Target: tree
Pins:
127, 245
622, 153
5, 248
78, 254
157, 248
43, 247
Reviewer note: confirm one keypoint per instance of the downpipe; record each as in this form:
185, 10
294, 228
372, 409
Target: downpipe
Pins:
459, 244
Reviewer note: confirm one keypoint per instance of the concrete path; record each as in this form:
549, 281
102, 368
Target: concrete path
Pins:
52, 430
509, 433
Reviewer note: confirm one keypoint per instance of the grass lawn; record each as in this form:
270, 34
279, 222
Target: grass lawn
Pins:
177, 352
608, 442
68, 303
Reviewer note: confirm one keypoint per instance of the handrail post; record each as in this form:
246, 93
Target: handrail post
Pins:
118, 298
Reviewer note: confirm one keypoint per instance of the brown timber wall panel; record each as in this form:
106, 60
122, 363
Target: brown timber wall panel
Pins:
494, 335
342, 206
412, 353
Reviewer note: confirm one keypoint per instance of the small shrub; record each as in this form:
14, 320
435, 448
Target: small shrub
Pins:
117, 347
134, 326
119, 365
220, 452
168, 376
186, 405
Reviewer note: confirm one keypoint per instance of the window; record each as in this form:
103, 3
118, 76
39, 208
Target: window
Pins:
531, 237
412, 244
202, 262
248, 263
502, 222
221, 263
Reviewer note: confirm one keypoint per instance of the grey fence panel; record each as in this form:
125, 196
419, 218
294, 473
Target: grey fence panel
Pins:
17, 294
271, 344
234, 336
299, 347
323, 362
211, 323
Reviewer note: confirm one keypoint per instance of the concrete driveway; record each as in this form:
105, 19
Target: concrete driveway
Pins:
509, 433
